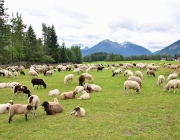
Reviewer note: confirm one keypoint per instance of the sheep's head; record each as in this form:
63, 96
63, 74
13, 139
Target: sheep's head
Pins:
77, 108
44, 85
45, 104
75, 92
10, 102
29, 107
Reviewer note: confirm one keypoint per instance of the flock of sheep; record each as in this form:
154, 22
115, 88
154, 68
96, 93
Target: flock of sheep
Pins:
134, 82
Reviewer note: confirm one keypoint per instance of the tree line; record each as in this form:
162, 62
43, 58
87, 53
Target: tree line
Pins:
20, 43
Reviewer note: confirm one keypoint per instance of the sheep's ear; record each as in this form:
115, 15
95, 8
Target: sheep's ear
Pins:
7, 108
29, 107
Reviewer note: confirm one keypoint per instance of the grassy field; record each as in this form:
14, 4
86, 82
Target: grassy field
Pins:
111, 114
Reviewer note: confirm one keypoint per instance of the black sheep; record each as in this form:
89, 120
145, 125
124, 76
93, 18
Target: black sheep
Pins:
38, 82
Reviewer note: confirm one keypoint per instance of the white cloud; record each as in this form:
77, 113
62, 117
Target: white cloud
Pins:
150, 23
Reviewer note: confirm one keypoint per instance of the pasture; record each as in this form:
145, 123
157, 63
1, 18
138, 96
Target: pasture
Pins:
110, 114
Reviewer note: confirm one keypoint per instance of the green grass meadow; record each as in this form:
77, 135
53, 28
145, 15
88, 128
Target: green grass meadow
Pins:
110, 114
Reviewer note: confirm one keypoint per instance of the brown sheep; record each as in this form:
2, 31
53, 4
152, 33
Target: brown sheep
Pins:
150, 72
68, 95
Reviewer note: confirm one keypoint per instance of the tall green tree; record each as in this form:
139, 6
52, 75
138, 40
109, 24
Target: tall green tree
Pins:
78, 55
63, 55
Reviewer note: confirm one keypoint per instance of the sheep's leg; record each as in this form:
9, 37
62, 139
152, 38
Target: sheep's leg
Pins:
26, 117
10, 118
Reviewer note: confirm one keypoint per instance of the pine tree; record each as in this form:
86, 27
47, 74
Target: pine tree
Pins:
63, 54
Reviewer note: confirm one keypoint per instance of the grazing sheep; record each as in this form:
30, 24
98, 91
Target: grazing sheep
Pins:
160, 82
22, 72
100, 68
81, 80
117, 72
54, 92
128, 73
48, 73
79, 89
22, 90
139, 74
33, 100
33, 73
137, 79
38, 82
131, 85
172, 76
15, 74
88, 76
150, 72
68, 95
12, 84
92, 87
85, 95
68, 78
5, 107
19, 109
78, 112
52, 109
174, 83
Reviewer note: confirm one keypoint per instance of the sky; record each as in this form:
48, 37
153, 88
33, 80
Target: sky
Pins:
153, 24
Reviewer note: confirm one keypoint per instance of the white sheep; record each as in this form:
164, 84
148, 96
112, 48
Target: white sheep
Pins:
128, 73
78, 112
137, 79
54, 92
5, 107
174, 83
68, 95
15, 74
68, 78
19, 109
139, 74
172, 76
12, 84
3, 85
32, 73
92, 87
85, 95
88, 76
160, 82
34, 101
79, 89
131, 85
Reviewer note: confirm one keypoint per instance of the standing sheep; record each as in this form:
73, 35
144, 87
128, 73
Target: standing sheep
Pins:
139, 74
160, 82
33, 100
150, 72
38, 82
78, 112
131, 85
137, 79
174, 83
68, 78
19, 109
81, 80
5, 107
172, 76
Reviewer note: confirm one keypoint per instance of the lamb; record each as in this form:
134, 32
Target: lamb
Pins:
38, 82
54, 92
5, 107
160, 82
85, 95
33, 100
150, 72
15, 74
68, 78
81, 80
88, 76
52, 109
172, 76
68, 95
139, 74
19, 109
117, 72
92, 87
137, 79
78, 112
131, 85
174, 83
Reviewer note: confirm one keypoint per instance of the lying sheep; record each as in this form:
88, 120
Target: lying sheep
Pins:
54, 92
55, 101
68, 77
175, 83
150, 72
52, 109
139, 74
33, 100
172, 76
137, 79
12, 84
131, 85
5, 107
3, 85
85, 95
79, 89
78, 112
19, 109
92, 88
160, 82
68, 95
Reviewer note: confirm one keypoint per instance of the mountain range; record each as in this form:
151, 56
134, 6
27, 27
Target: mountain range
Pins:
128, 49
